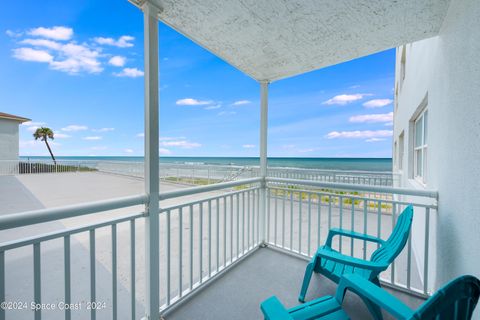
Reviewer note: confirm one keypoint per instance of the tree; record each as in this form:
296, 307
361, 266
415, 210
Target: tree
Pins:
44, 134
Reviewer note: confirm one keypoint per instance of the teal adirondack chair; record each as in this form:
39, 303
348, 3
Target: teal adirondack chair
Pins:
333, 264
455, 301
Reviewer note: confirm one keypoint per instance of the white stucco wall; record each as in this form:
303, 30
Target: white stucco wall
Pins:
447, 69
8, 139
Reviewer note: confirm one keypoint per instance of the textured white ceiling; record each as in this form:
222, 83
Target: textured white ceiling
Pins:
275, 39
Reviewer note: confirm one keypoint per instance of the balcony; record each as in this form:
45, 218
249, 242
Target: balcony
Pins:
212, 263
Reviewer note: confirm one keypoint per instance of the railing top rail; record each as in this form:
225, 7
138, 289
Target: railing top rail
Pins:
59, 234
358, 187
22, 219
211, 187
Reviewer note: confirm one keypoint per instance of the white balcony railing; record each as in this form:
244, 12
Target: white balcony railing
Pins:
201, 239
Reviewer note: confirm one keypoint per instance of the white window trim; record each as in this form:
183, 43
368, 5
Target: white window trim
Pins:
423, 148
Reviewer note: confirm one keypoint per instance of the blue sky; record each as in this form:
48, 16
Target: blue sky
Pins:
78, 69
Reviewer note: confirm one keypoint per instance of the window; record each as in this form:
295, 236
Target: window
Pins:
400, 151
420, 147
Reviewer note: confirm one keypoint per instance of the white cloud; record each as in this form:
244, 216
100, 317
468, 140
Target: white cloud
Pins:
122, 42
56, 33
389, 124
32, 128
217, 106
184, 144
43, 43
377, 103
241, 102
71, 57
367, 134
29, 54
128, 150
248, 146
129, 72
306, 150
103, 130
375, 139
344, 99
171, 138
163, 151
13, 34
92, 138
140, 135
75, 127
192, 102
372, 118
117, 61
226, 113
61, 135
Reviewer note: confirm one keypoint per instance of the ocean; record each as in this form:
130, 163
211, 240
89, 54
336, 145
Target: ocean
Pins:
362, 164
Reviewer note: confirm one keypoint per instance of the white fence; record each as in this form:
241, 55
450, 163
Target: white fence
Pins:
197, 174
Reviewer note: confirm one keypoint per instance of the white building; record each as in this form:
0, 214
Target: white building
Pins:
437, 137
9, 139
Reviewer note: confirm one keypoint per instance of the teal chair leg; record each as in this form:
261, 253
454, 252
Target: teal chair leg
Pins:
306, 279
375, 310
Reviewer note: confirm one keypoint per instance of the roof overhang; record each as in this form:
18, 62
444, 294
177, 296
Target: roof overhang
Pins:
12, 117
275, 39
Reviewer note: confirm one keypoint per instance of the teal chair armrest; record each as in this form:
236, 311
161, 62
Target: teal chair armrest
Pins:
351, 234
370, 293
351, 261
273, 309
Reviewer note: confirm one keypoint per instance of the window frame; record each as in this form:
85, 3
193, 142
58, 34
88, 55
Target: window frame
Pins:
421, 149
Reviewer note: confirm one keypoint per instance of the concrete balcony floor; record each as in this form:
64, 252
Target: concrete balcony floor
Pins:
266, 272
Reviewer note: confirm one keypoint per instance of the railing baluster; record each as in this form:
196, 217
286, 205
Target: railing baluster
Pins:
329, 212
224, 231
243, 222
132, 268
365, 212
319, 224
168, 257
67, 275
2, 283
426, 244
37, 279
93, 281
231, 229
309, 226
379, 222
200, 244
300, 196
268, 213
283, 218
191, 246
218, 234
180, 255
340, 239
291, 220
275, 218
258, 215
248, 220
238, 224
114, 271
409, 261
352, 243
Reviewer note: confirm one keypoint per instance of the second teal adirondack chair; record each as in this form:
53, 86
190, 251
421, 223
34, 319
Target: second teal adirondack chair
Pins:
333, 264
454, 301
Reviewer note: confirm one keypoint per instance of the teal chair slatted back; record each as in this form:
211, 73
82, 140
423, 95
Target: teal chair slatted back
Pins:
397, 240
455, 301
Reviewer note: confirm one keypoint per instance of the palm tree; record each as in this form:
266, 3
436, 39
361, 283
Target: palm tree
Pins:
44, 134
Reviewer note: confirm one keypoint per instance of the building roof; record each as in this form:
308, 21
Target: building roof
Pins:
271, 40
4, 115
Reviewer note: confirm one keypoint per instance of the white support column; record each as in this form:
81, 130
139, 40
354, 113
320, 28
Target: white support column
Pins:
152, 286
263, 157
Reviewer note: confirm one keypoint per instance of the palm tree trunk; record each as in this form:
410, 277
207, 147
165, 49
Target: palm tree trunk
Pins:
50, 150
